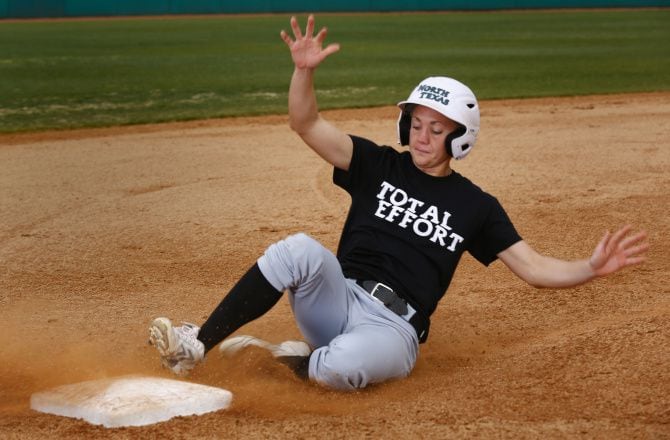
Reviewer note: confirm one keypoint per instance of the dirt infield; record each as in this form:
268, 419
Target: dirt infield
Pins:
102, 230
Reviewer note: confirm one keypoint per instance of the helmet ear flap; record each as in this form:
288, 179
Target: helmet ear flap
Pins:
405, 123
449, 144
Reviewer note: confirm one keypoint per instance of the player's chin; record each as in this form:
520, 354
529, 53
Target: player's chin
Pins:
419, 154
423, 165
422, 158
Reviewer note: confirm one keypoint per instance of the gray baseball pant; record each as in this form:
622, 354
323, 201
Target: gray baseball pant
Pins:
357, 341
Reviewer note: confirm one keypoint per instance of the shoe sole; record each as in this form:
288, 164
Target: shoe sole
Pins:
294, 348
232, 346
161, 335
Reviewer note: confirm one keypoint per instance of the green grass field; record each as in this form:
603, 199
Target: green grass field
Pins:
66, 74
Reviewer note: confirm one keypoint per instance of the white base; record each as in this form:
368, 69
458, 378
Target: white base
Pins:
130, 400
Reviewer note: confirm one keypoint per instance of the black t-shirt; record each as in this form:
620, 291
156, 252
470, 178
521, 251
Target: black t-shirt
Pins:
408, 229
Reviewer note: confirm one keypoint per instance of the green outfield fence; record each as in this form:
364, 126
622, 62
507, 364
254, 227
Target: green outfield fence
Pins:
90, 8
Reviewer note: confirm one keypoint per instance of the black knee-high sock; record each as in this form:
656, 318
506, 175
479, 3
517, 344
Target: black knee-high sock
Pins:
249, 299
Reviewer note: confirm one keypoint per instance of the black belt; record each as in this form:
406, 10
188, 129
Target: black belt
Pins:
397, 305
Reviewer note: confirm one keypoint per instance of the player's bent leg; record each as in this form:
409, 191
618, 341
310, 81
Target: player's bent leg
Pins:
179, 348
371, 353
318, 287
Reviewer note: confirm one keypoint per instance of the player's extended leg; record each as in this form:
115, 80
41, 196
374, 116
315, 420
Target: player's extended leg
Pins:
182, 347
298, 263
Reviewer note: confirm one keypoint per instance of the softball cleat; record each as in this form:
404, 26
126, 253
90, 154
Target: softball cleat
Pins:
179, 347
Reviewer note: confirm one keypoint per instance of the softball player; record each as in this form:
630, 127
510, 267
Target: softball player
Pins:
364, 312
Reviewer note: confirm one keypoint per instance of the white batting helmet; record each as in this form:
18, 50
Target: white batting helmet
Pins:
454, 100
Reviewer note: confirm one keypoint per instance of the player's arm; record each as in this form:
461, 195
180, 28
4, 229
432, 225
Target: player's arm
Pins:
613, 253
324, 138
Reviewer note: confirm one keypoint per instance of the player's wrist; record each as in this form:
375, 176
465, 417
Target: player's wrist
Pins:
591, 268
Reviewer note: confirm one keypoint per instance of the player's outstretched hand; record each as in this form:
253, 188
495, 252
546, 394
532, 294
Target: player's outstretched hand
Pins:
307, 50
618, 250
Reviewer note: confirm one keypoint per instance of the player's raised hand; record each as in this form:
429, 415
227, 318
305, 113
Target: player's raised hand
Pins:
618, 250
307, 50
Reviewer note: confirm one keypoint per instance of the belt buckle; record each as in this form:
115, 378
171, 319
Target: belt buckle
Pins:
376, 290
391, 299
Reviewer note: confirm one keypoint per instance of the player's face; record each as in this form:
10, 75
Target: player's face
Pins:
427, 135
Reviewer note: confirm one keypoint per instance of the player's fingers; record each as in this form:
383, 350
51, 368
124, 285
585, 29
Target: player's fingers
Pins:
284, 36
618, 235
321, 35
599, 256
604, 242
297, 33
615, 240
633, 239
332, 48
635, 260
309, 31
636, 250
634, 243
